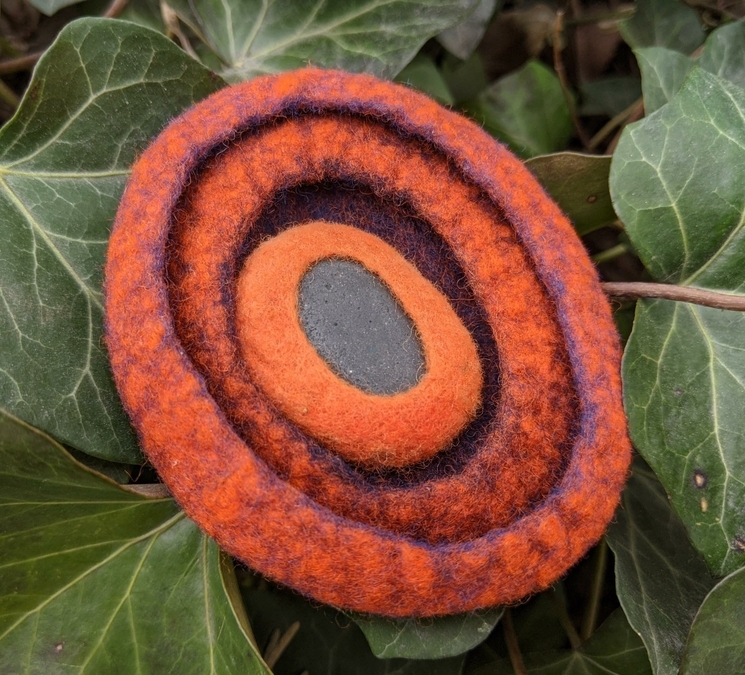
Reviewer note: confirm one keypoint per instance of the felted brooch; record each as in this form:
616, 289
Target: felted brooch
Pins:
478, 478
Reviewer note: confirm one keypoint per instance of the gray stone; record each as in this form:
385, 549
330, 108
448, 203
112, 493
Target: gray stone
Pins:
359, 328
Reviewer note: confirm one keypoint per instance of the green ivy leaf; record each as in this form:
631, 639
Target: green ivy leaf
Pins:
527, 110
98, 96
50, 7
614, 649
462, 39
663, 73
660, 578
717, 640
327, 641
665, 70
663, 23
422, 74
96, 579
684, 387
254, 37
676, 182
579, 184
427, 638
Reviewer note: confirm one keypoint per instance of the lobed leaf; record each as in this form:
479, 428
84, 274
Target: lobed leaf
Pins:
98, 96
663, 74
255, 37
660, 578
684, 380
663, 23
665, 70
676, 184
96, 579
527, 110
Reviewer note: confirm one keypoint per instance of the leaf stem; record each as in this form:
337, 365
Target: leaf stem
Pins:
20, 63
8, 95
278, 645
610, 254
697, 296
614, 122
566, 622
561, 73
513, 648
590, 619
151, 490
115, 9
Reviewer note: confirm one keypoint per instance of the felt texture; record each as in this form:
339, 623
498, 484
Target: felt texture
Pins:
522, 492
515, 455
389, 431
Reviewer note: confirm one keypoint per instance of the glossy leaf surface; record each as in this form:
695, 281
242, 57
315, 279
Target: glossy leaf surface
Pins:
255, 37
427, 638
97, 580
660, 578
527, 110
97, 98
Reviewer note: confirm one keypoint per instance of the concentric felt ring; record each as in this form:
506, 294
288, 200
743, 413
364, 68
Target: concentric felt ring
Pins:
383, 430
209, 184
517, 455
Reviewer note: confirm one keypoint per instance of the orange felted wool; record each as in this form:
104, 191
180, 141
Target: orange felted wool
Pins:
503, 482
380, 430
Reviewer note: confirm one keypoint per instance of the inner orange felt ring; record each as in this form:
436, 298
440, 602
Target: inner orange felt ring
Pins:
373, 429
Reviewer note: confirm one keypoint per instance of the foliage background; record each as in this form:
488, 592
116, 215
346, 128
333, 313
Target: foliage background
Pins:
632, 117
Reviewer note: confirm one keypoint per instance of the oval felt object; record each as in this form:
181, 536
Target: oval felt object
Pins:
515, 498
383, 430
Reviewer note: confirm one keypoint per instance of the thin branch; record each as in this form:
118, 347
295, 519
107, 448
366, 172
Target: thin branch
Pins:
633, 117
21, 63
278, 646
610, 126
513, 648
590, 619
8, 95
634, 290
152, 490
610, 254
115, 9
561, 73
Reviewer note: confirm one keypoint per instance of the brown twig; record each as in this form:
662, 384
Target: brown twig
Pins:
115, 9
278, 645
636, 114
8, 95
634, 290
561, 73
21, 63
513, 648
610, 126
151, 490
